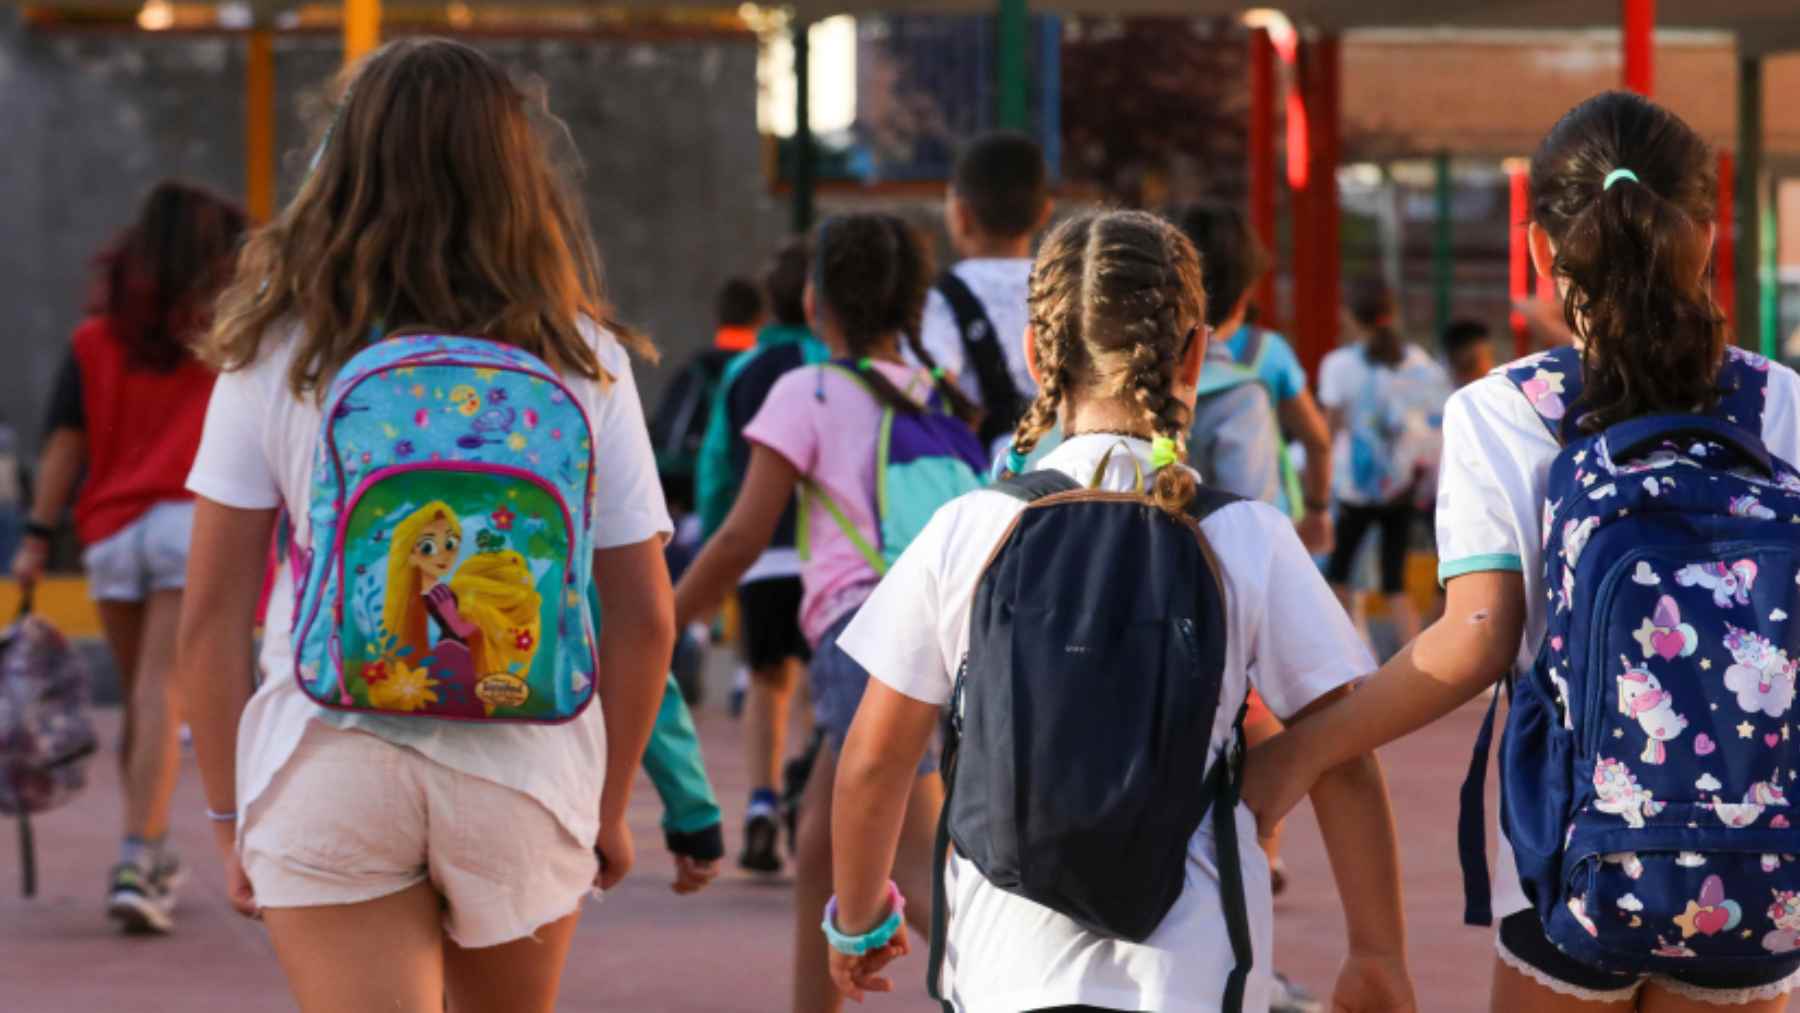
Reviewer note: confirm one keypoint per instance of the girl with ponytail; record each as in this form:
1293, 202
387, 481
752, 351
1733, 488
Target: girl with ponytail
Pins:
818, 429
1115, 342
1622, 209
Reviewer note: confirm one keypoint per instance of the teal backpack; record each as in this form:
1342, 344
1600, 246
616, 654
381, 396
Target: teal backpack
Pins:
452, 547
923, 460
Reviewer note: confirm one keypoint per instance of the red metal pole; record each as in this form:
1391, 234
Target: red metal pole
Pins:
1724, 258
1329, 133
1518, 259
1262, 163
1639, 17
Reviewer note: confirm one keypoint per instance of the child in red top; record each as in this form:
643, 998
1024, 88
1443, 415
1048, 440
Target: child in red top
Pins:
128, 408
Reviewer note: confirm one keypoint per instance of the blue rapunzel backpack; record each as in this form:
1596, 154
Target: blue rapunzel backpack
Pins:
1650, 749
451, 552
923, 460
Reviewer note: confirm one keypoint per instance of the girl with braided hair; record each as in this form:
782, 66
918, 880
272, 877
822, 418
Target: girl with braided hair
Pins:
1116, 343
818, 432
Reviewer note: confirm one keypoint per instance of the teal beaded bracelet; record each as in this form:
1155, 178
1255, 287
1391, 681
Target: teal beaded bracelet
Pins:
875, 938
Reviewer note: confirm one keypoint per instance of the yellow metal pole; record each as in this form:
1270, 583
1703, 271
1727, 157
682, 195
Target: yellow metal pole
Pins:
259, 124
362, 28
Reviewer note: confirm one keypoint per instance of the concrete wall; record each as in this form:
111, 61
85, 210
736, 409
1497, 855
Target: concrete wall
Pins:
88, 120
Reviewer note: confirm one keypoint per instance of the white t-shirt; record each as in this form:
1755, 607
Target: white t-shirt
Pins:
1371, 458
1286, 635
1001, 285
257, 454
1490, 510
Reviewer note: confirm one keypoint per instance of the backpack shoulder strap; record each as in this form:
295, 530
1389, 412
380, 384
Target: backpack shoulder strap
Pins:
1035, 485
981, 345
1255, 344
1551, 383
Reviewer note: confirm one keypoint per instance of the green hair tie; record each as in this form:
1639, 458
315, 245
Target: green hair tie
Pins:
1162, 452
865, 363
937, 372
1616, 175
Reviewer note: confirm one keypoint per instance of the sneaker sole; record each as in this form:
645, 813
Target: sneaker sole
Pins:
761, 839
138, 914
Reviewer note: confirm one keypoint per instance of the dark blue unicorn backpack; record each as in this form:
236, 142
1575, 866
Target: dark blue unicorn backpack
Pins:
1649, 751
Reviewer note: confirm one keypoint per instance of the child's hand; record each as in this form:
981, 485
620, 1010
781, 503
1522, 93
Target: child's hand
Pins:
1277, 775
857, 976
1374, 983
692, 874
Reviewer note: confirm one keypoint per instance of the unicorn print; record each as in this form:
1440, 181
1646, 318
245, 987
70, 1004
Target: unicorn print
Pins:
1784, 912
1730, 584
1762, 676
1642, 697
1617, 791
1575, 538
1750, 506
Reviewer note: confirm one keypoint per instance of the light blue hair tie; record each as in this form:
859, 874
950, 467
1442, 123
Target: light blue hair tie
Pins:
1616, 175
1015, 461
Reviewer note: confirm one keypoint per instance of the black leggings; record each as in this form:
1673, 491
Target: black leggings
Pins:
1395, 520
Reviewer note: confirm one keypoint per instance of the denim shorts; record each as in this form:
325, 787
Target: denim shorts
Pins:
149, 554
1524, 948
837, 684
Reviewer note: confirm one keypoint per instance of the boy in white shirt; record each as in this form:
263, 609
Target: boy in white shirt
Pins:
997, 202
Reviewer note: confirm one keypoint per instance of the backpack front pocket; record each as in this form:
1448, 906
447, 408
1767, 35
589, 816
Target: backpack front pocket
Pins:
1675, 896
456, 595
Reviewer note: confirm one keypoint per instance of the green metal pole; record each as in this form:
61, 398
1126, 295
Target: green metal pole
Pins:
1750, 199
1014, 30
804, 156
1442, 265
1768, 280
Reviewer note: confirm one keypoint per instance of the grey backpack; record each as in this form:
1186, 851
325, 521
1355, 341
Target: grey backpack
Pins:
46, 738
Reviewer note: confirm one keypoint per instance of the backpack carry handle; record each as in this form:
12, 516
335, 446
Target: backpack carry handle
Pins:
1627, 439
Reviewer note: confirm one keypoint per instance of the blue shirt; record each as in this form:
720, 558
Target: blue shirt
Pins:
1279, 369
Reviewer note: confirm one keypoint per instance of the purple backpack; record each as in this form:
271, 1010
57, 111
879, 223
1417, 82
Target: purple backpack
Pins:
46, 738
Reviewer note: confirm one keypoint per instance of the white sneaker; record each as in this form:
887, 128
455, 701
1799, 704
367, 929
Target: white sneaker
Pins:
143, 901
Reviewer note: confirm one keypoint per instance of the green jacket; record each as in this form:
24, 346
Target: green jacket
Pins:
716, 480
677, 768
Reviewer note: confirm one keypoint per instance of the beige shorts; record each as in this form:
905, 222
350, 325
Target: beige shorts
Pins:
351, 817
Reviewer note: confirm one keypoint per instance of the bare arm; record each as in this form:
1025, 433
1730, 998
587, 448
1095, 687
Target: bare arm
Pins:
1461, 654
214, 642
768, 489
875, 776
58, 472
1351, 802
637, 639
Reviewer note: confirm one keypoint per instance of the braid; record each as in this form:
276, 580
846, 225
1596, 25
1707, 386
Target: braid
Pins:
1115, 300
1054, 298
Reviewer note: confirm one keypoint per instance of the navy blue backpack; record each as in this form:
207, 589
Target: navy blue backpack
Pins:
1649, 750
1077, 745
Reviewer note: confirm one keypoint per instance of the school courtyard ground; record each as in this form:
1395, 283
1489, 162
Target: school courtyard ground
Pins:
645, 949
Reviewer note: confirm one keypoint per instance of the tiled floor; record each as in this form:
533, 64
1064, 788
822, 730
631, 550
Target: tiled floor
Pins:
645, 949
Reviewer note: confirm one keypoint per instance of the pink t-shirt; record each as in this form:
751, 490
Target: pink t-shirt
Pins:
826, 425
